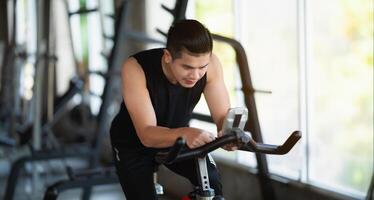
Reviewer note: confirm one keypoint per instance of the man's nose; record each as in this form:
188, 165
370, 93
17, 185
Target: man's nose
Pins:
195, 74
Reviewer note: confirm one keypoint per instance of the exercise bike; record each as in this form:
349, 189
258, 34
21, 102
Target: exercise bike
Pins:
232, 133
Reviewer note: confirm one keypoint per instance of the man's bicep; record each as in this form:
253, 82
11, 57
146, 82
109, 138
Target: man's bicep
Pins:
136, 96
216, 93
218, 102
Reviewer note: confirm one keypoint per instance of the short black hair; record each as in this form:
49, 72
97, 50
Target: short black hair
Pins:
188, 34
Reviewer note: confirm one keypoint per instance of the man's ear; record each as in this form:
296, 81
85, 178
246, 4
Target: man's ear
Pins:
167, 55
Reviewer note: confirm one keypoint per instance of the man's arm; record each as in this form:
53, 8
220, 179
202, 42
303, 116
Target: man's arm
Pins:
216, 93
139, 106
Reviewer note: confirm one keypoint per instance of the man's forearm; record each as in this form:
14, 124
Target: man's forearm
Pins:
160, 137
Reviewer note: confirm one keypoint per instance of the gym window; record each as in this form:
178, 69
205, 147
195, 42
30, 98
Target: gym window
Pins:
317, 63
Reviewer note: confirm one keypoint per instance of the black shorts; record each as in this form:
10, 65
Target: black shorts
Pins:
135, 169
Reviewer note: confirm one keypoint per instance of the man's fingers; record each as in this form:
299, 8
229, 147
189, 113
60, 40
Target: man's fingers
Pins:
230, 147
200, 139
209, 138
212, 137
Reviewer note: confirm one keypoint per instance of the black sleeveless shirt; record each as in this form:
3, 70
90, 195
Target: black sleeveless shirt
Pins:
172, 103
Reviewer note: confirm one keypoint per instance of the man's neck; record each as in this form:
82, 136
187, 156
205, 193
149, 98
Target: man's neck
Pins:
166, 70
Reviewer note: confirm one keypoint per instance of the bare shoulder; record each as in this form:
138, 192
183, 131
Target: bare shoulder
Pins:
131, 65
132, 71
215, 68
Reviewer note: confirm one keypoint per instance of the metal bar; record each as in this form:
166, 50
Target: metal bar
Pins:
108, 37
17, 166
179, 11
171, 11
8, 72
177, 154
141, 37
202, 117
203, 174
82, 11
370, 193
4, 38
273, 149
112, 16
4, 22
76, 62
54, 190
6, 141
161, 32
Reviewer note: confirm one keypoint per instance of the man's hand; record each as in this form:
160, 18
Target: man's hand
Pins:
196, 137
228, 147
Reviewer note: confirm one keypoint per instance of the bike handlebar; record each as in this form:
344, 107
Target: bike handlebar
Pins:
273, 149
180, 152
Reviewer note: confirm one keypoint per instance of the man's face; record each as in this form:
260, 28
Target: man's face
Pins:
189, 68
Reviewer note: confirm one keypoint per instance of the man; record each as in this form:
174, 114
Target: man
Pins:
160, 89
